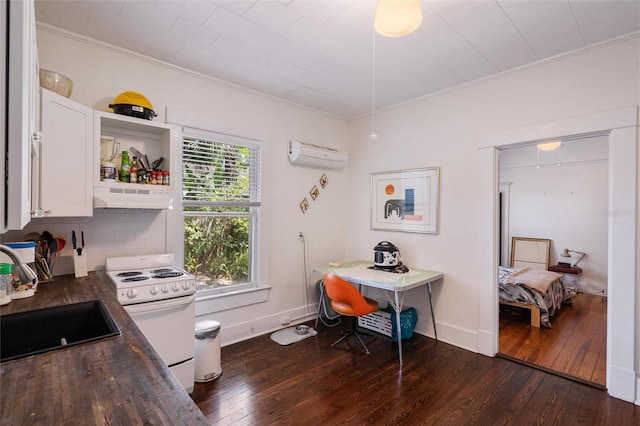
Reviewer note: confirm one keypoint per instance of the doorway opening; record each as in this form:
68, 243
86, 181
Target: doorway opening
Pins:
557, 195
621, 211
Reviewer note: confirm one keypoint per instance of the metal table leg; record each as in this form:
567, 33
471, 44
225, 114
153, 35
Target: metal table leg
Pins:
433, 317
320, 303
397, 306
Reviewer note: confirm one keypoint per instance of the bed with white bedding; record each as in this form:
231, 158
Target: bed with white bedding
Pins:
540, 291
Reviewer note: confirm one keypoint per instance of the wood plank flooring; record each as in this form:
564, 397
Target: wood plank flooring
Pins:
311, 383
575, 346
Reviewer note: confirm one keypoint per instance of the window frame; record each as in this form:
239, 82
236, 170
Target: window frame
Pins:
254, 205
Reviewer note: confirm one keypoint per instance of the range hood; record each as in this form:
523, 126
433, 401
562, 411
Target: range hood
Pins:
133, 197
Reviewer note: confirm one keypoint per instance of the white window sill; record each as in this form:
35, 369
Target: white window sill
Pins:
234, 299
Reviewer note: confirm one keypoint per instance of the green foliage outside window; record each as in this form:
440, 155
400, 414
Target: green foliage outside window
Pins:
216, 183
217, 249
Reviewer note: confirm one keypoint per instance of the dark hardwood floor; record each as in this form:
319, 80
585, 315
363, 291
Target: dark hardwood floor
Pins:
575, 346
311, 383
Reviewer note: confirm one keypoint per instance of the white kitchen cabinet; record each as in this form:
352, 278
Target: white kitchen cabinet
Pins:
18, 110
153, 139
64, 165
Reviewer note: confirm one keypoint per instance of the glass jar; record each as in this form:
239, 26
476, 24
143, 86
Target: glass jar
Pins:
6, 270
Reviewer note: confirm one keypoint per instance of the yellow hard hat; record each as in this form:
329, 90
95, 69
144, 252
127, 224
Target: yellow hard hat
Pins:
133, 104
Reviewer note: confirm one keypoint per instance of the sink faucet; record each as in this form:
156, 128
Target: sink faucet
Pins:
25, 273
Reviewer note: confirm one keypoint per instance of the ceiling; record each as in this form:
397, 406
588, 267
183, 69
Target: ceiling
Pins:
319, 53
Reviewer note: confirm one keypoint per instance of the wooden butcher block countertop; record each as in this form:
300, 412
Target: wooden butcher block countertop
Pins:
116, 381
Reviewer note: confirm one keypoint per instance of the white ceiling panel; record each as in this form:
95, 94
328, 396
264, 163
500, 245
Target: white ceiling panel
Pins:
107, 27
354, 21
158, 42
459, 56
236, 6
491, 16
450, 9
145, 13
318, 53
559, 29
194, 11
112, 6
601, 20
272, 15
74, 17
318, 11
261, 63
192, 34
230, 48
229, 24
312, 36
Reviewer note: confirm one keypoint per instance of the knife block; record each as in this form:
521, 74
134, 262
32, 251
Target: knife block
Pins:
80, 263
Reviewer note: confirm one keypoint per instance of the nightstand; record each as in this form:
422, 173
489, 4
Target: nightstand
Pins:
569, 276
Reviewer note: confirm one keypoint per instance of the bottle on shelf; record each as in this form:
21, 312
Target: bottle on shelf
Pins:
134, 162
133, 174
125, 168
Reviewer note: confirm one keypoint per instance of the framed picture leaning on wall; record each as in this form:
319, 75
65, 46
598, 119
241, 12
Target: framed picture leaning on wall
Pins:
405, 200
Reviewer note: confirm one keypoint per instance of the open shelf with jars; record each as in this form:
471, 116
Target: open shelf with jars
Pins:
117, 133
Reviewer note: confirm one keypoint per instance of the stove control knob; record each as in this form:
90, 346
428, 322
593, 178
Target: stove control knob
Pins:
153, 290
185, 286
175, 287
165, 288
132, 293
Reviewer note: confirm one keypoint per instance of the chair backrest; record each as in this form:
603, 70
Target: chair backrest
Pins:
342, 291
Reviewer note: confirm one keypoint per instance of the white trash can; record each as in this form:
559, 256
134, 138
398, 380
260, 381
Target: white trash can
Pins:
207, 356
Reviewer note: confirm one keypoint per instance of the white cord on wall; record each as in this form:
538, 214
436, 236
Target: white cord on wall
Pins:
305, 272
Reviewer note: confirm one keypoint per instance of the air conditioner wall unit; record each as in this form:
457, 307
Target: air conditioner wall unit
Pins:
322, 157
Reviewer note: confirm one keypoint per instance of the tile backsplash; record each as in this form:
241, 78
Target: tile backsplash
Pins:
109, 233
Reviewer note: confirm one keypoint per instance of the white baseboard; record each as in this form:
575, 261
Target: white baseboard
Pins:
456, 336
621, 383
258, 326
485, 343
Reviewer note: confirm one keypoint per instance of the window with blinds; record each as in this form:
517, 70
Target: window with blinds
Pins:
221, 204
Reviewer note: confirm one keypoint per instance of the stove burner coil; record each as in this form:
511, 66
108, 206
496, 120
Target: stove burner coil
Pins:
167, 274
132, 279
129, 274
161, 270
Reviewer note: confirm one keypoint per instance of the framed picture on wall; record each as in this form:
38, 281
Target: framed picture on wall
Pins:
405, 200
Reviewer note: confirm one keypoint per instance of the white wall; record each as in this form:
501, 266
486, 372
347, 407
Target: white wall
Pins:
562, 195
443, 130
440, 130
100, 72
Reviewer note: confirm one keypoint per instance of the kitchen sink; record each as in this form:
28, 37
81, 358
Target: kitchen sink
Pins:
34, 332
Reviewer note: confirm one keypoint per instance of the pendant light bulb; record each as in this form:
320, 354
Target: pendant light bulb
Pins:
396, 18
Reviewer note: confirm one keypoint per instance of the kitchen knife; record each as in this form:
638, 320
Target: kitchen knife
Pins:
144, 162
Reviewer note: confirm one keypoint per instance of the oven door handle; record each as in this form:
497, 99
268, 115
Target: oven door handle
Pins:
160, 304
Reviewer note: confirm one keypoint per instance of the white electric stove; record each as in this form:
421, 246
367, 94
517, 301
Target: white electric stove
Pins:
140, 279
161, 300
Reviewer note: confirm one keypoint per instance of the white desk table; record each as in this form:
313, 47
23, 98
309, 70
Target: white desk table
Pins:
358, 272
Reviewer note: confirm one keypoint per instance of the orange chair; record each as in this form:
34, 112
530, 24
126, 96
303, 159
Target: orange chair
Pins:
347, 300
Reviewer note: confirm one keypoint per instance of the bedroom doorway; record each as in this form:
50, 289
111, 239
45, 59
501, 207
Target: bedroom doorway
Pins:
621, 210
558, 194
